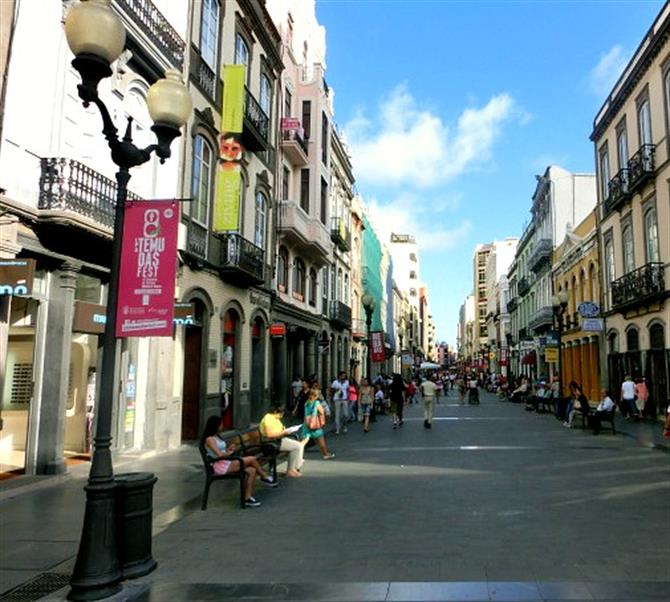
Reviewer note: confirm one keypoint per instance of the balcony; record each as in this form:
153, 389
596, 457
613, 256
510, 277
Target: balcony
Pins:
358, 329
256, 134
619, 191
542, 319
340, 314
340, 234
524, 334
523, 286
308, 234
203, 76
512, 304
641, 286
240, 262
71, 189
151, 23
641, 167
540, 255
196, 241
293, 143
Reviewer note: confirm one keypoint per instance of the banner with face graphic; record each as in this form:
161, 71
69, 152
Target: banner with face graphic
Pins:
228, 175
145, 305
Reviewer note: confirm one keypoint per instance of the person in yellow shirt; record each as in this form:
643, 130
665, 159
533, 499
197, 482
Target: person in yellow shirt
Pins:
272, 428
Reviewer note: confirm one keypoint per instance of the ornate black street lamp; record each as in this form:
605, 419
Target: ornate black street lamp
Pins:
96, 37
369, 307
559, 304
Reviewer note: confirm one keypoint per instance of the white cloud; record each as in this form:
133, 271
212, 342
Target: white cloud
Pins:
610, 66
410, 214
405, 144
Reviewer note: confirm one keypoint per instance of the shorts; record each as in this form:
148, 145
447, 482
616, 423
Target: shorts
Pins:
221, 467
365, 409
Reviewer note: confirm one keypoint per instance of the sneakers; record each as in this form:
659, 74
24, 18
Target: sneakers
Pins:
426, 424
270, 482
251, 502
345, 429
395, 426
329, 456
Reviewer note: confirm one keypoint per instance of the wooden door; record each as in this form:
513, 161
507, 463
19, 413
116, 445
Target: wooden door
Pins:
190, 413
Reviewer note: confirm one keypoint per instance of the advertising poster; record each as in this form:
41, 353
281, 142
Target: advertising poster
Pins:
228, 174
145, 306
377, 347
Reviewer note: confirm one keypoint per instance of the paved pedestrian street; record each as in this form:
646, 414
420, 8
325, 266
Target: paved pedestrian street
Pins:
492, 503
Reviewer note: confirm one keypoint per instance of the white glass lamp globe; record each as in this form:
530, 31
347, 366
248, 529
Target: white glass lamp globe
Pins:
169, 100
92, 27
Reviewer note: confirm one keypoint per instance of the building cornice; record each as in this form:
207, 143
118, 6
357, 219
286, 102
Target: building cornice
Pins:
262, 25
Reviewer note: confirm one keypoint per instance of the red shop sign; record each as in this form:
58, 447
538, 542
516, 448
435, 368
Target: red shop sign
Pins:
378, 353
278, 329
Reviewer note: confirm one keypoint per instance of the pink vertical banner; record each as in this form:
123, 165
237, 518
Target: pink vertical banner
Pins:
377, 346
145, 306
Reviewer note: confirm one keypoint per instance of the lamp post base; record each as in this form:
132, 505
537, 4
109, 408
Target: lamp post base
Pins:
97, 572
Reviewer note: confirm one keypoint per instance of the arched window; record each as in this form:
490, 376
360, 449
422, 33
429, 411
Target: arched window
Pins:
593, 283
644, 123
338, 290
265, 98
260, 220
651, 235
313, 287
609, 263
201, 179
627, 243
666, 85
209, 32
613, 342
242, 53
632, 340
656, 336
282, 269
582, 287
299, 278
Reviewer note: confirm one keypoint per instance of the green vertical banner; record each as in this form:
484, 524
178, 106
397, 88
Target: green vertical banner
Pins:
228, 177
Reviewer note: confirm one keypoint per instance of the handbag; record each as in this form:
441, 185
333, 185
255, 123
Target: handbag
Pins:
316, 420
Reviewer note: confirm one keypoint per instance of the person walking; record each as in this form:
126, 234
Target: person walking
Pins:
428, 392
397, 396
628, 397
642, 396
340, 396
352, 416
365, 400
315, 420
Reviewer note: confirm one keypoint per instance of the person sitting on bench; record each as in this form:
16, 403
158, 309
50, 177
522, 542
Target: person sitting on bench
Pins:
271, 427
604, 408
521, 391
225, 464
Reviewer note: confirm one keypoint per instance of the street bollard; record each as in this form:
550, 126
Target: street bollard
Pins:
134, 510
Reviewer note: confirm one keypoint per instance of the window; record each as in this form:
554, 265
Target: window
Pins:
632, 340
201, 180
324, 138
209, 32
266, 95
299, 278
622, 147
412, 275
307, 117
260, 220
651, 235
666, 88
282, 269
412, 256
609, 262
412, 292
313, 287
644, 122
324, 201
242, 53
656, 336
604, 173
304, 190
345, 299
627, 243
338, 290
286, 175
287, 103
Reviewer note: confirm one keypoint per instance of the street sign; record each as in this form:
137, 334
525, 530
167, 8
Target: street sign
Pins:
588, 309
592, 324
551, 354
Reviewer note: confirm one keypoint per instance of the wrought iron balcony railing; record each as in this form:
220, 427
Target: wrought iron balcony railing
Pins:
68, 185
639, 286
540, 255
523, 286
257, 122
512, 304
542, 318
157, 28
240, 259
203, 75
619, 191
340, 314
340, 234
196, 240
642, 166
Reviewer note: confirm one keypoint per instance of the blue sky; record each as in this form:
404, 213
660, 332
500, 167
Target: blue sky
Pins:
450, 108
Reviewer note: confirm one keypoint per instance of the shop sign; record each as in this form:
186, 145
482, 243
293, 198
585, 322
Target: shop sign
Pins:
407, 359
259, 300
588, 309
277, 330
290, 123
89, 317
183, 314
16, 276
145, 305
552, 338
592, 324
551, 354
377, 351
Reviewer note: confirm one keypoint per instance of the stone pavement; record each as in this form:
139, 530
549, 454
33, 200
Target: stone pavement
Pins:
492, 503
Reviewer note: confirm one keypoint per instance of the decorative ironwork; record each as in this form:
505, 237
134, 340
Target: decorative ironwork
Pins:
254, 114
512, 304
523, 286
237, 253
639, 286
68, 185
203, 75
157, 28
619, 191
340, 234
340, 314
642, 166
196, 240
541, 254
